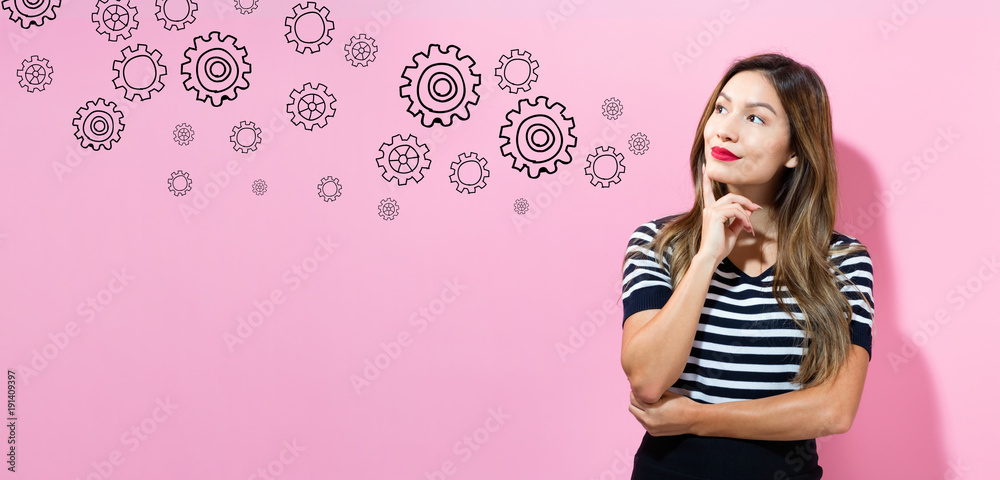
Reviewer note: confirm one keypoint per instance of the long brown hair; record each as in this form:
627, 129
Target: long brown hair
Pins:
804, 210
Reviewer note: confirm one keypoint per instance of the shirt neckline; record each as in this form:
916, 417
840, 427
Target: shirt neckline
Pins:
744, 275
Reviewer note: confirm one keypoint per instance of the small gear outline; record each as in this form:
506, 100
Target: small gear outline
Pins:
176, 24
329, 181
209, 83
506, 61
172, 183
388, 208
604, 153
239, 130
115, 18
411, 150
298, 13
245, 10
521, 206
612, 108
183, 134
638, 143
132, 53
538, 136
259, 187
306, 103
35, 73
429, 100
466, 187
360, 50
31, 12
99, 124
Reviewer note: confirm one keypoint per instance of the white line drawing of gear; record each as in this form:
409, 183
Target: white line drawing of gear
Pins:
31, 12
604, 153
403, 146
329, 181
523, 126
179, 23
424, 76
298, 13
35, 73
365, 45
303, 106
108, 18
200, 63
99, 124
131, 91
464, 158
235, 137
515, 57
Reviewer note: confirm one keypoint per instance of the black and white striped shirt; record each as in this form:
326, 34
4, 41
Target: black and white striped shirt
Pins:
746, 347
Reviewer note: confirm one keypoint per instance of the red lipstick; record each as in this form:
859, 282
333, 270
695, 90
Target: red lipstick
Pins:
723, 155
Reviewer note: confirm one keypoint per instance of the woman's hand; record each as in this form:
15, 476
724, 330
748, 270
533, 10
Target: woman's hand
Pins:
718, 239
672, 414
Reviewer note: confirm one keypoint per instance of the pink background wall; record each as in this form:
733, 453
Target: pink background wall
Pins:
472, 300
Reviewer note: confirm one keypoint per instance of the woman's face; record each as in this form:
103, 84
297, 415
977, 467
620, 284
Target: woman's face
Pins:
750, 122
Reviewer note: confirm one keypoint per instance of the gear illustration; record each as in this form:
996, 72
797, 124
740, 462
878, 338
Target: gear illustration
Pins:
612, 108
134, 88
538, 136
115, 18
388, 209
183, 134
440, 85
311, 106
469, 165
99, 124
259, 187
245, 137
176, 22
31, 12
360, 50
520, 206
215, 68
638, 144
329, 188
602, 175
35, 73
304, 19
403, 159
179, 183
246, 10
517, 71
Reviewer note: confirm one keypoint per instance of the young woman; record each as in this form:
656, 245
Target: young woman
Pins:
742, 349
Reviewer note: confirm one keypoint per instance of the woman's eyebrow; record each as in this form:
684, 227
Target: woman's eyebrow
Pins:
750, 105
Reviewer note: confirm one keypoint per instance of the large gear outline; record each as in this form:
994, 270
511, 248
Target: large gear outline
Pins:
299, 12
517, 56
306, 103
99, 124
132, 53
245, 127
462, 186
172, 183
405, 147
246, 10
110, 21
388, 209
211, 85
176, 24
423, 85
31, 12
327, 181
360, 50
604, 152
534, 121
35, 73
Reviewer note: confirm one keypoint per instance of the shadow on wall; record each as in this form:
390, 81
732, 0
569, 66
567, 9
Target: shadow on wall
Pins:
896, 433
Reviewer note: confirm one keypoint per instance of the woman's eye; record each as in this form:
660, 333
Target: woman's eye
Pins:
758, 118
717, 107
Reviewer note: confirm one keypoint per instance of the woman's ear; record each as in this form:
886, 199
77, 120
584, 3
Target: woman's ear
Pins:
792, 162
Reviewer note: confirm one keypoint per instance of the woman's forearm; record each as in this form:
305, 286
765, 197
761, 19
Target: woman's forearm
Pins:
798, 415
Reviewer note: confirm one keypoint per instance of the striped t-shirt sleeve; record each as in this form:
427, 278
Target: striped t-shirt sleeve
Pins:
645, 284
857, 266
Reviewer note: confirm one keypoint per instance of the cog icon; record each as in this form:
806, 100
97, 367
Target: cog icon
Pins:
35, 73
403, 159
311, 106
440, 85
538, 136
360, 50
612, 108
329, 188
304, 19
31, 12
179, 183
602, 175
517, 71
177, 23
638, 144
259, 187
246, 10
469, 172
115, 18
183, 134
388, 209
99, 124
215, 68
135, 87
520, 206
245, 137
